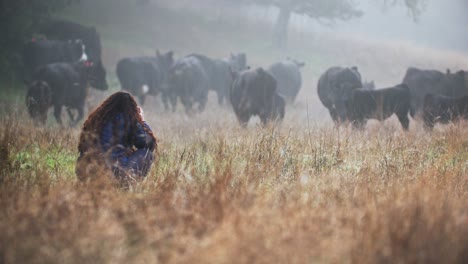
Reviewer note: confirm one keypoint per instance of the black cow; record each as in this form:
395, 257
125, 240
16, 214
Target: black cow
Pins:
254, 92
39, 52
288, 77
335, 87
379, 104
38, 100
219, 72
58, 85
443, 109
423, 82
189, 81
65, 30
145, 75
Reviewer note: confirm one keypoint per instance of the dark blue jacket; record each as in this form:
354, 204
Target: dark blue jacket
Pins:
120, 147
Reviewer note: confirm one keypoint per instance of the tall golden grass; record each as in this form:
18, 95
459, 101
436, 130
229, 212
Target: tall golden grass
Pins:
298, 193
304, 192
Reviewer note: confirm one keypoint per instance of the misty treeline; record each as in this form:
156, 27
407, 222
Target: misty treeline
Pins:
324, 11
18, 21
20, 18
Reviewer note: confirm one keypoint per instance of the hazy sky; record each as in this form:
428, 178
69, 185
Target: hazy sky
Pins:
443, 25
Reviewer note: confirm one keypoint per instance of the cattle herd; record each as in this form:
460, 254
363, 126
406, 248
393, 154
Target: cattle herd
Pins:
60, 67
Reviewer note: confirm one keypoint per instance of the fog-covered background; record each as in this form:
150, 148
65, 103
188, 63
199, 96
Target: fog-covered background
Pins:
383, 42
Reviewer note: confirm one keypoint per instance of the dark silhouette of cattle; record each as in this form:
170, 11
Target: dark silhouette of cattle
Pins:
189, 81
444, 109
39, 52
379, 104
65, 30
219, 72
38, 100
423, 82
288, 77
368, 85
148, 75
335, 87
254, 92
58, 85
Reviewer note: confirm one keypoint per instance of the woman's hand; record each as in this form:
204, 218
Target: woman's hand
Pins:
141, 113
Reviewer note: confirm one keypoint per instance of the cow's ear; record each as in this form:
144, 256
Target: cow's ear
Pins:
170, 54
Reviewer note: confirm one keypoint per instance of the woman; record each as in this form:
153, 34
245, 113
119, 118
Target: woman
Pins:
116, 137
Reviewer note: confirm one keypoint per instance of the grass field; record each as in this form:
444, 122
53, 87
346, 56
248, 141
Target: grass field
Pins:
303, 192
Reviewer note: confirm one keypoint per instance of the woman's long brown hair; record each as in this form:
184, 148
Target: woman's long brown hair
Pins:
117, 103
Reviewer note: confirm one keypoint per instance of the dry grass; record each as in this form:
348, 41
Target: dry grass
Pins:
305, 192
300, 193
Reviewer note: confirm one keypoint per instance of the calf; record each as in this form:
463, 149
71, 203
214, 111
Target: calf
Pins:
443, 109
254, 92
58, 85
379, 104
334, 88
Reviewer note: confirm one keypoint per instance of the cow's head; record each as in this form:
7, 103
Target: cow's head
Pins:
77, 50
299, 64
238, 62
368, 85
96, 75
38, 100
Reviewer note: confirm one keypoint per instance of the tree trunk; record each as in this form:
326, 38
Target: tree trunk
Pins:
280, 34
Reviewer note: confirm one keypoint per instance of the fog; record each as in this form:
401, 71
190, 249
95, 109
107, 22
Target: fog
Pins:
441, 25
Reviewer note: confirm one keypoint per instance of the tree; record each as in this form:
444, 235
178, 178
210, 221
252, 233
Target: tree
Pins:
18, 20
415, 7
324, 10
321, 10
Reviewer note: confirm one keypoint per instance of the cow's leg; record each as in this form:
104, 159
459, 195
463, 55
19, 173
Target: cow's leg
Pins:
58, 113
334, 115
187, 102
404, 120
243, 119
202, 100
173, 99
265, 118
141, 98
359, 123
164, 99
220, 95
79, 117
70, 114
428, 122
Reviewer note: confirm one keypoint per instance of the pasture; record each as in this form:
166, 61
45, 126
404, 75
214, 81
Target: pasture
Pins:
302, 192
